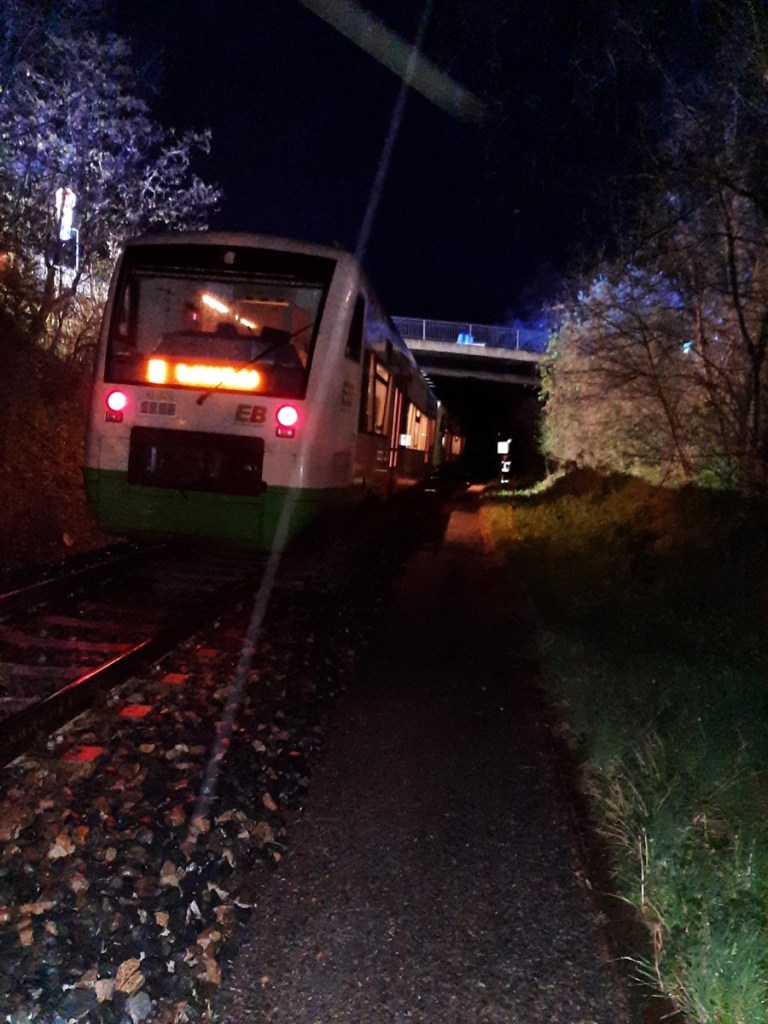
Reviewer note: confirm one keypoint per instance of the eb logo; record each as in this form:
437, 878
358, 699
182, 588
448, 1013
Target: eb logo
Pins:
245, 413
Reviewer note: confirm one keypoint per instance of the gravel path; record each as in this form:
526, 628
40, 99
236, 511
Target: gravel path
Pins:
432, 877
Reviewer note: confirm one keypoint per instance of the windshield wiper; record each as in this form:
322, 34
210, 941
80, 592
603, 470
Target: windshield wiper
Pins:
270, 347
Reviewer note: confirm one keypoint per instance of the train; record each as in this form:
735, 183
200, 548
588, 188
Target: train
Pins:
246, 384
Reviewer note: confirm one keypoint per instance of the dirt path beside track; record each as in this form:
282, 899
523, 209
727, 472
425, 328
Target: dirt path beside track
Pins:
431, 878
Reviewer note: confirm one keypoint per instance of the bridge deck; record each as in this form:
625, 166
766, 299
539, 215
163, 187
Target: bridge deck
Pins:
448, 348
474, 351
452, 332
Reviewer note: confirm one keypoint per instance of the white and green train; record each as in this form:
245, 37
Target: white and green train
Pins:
246, 383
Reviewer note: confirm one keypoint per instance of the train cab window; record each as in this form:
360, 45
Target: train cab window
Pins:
375, 407
247, 325
355, 339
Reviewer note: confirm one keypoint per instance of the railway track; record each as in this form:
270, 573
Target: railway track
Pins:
65, 642
134, 840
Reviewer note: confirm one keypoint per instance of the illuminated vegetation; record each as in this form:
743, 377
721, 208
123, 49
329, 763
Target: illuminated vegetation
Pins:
649, 606
71, 118
660, 366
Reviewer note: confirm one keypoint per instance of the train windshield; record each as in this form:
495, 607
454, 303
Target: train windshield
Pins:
215, 318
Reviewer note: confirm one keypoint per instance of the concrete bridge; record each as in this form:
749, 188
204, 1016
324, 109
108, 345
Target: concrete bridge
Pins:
447, 348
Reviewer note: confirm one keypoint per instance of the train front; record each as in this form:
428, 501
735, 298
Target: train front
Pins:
201, 380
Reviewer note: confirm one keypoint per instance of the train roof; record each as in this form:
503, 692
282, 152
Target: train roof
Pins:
240, 238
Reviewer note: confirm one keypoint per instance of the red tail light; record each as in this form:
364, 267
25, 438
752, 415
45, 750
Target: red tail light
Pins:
116, 403
287, 417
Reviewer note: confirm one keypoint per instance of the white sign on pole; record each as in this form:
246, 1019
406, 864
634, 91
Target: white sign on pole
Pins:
66, 200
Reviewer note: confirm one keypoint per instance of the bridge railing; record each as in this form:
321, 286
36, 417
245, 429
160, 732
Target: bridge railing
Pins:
450, 331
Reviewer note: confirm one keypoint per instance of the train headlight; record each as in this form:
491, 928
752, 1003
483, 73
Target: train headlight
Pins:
287, 417
116, 403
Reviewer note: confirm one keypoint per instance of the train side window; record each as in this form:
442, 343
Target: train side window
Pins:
417, 428
381, 399
355, 338
366, 396
375, 405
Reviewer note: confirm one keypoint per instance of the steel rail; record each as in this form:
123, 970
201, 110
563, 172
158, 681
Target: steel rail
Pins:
57, 586
22, 731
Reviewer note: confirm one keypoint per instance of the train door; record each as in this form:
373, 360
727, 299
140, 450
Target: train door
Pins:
375, 425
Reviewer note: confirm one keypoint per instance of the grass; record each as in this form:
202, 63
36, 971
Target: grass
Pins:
650, 606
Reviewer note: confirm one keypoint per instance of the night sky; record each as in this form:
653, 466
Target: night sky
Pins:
476, 222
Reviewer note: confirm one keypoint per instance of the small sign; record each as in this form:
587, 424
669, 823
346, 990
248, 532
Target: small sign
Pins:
66, 201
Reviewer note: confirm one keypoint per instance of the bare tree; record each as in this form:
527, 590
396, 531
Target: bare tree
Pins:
616, 389
675, 334
71, 119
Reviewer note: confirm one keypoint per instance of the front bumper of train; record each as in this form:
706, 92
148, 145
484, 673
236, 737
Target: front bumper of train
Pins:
125, 509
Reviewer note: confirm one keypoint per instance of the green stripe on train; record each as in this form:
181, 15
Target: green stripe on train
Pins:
126, 509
